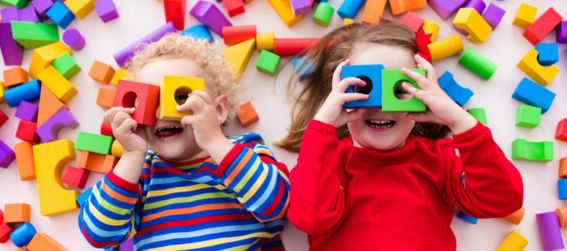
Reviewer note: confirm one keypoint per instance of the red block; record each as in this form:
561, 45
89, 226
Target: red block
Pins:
234, 7
3, 119
26, 131
175, 12
238, 34
292, 46
5, 231
561, 131
106, 129
542, 26
128, 93
1, 216
75, 177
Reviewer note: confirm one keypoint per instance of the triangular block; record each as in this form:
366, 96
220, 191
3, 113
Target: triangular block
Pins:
238, 55
48, 105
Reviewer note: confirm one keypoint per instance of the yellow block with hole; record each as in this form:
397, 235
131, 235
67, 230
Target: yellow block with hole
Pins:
238, 55
430, 27
469, 20
285, 12
59, 85
543, 75
445, 48
265, 41
525, 15
43, 56
81, 8
513, 242
171, 88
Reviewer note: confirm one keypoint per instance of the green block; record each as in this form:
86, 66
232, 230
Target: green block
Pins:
268, 62
478, 64
534, 151
479, 114
66, 65
323, 14
32, 35
93, 143
390, 103
20, 3
528, 116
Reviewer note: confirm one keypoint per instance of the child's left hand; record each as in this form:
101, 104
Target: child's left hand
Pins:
442, 109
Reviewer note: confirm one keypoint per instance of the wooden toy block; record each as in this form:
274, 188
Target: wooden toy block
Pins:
347, 21
477, 64
373, 11
3, 118
391, 78
93, 142
563, 168
268, 62
525, 15
106, 129
470, 21
198, 32
22, 235
175, 12
561, 33
293, 46
26, 111
144, 97
42, 242
209, 14
28, 91
534, 151
561, 131
26, 131
402, 6
533, 94
301, 7
59, 85
43, 56
542, 26
174, 92
549, 231
479, 114
10, 14
63, 118
493, 15
238, 55
105, 98
514, 241
446, 8
285, 12
106, 10
562, 189
247, 115
15, 76
303, 67
122, 56
413, 21
19, 3
516, 217
233, 7
116, 149
24, 160
478, 5
12, 52
28, 14
41, 6
84, 196
5, 231
48, 105
349, 8
120, 74
528, 116
445, 48
238, 34
66, 66
467, 218
372, 76
562, 216
60, 14
75, 177
101, 72
323, 13
73, 38
81, 8
543, 75
16, 213
97, 163
547, 53
265, 41
6, 155
454, 90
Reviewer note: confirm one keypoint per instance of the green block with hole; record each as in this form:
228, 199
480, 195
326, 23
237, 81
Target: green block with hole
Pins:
391, 78
528, 116
479, 114
95, 143
32, 35
533, 151
66, 65
20, 3
323, 14
268, 62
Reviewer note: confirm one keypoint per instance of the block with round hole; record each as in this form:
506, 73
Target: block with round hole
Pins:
391, 80
372, 76
174, 91
144, 97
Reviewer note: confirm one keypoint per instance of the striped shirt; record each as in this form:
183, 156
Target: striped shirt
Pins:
238, 204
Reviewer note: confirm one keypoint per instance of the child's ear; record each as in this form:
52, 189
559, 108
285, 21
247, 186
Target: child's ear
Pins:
221, 105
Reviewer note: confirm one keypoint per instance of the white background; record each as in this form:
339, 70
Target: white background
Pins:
505, 47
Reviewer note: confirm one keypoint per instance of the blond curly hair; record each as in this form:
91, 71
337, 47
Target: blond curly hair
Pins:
208, 56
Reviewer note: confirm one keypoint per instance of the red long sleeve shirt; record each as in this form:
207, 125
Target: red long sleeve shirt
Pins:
350, 198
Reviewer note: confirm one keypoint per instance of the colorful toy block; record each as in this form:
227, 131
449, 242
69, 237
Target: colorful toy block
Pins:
15, 76
265, 41
516, 217
562, 216
445, 48
549, 231
323, 13
3, 118
73, 38
10, 14
238, 55
563, 168
238, 34
528, 116
116, 149
525, 15
41, 6
454, 90
562, 189
81, 8
301, 7
303, 67
106, 10
75, 177
247, 115
101, 72
105, 98
48, 105
59, 85
28, 91
534, 151
533, 94
106, 129
391, 78
292, 46
24, 160
561, 131
372, 76
97, 163
413, 21
22, 235
347, 21
93, 143
119, 75
547, 53
122, 56
144, 97
477, 64
514, 241
12, 52
42, 242
542, 26
197, 32
66, 66
543, 75
561, 32
60, 14
174, 92
43, 56
285, 12
26, 111
6, 155
5, 231
175, 12
349, 8
63, 118
470, 21
233, 7
467, 218
16, 213
478, 5
26, 131
268, 62
84, 196
28, 14
402, 6
210, 15
446, 8
373, 11
493, 15
19, 3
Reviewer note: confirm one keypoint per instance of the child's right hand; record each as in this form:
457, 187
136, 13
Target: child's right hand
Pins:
125, 129
332, 112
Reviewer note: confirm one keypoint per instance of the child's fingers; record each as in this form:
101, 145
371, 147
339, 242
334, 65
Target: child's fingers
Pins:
109, 115
119, 118
194, 103
338, 72
127, 126
348, 97
423, 117
347, 82
418, 93
422, 63
420, 79
203, 95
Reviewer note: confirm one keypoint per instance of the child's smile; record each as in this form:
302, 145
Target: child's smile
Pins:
168, 132
380, 124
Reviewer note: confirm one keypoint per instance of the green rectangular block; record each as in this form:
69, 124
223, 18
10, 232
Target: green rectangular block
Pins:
268, 62
20, 3
479, 114
391, 78
93, 143
66, 65
533, 151
528, 116
32, 35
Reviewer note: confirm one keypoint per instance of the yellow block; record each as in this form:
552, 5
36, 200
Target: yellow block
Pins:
445, 48
525, 15
43, 56
265, 41
50, 158
59, 85
284, 10
543, 75
120, 74
513, 242
238, 55
348, 21
171, 87
116, 149
430, 27
81, 8
1, 92
469, 20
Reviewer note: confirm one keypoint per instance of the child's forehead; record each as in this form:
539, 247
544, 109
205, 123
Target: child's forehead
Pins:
389, 56
154, 71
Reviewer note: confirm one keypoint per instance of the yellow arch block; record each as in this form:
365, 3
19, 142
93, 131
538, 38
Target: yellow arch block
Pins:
167, 95
238, 55
543, 75
469, 20
513, 242
445, 48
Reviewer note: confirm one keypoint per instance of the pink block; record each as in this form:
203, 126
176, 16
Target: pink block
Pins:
412, 21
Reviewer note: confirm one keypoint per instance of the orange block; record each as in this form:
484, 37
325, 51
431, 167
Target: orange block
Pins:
42, 242
562, 215
16, 213
105, 98
24, 160
15, 76
247, 114
373, 11
101, 72
97, 163
516, 217
401, 6
49, 104
563, 168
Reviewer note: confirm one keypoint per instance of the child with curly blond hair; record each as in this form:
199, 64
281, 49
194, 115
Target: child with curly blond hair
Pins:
183, 185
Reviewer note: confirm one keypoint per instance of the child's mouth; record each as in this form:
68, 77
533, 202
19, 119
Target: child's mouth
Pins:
168, 131
380, 124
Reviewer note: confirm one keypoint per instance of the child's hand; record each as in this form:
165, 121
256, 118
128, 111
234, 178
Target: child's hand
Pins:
124, 129
442, 109
332, 112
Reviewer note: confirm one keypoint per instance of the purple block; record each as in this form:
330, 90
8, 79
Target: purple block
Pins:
549, 231
10, 14
446, 8
493, 15
73, 38
127, 245
561, 32
28, 14
7, 155
12, 52
478, 5
27, 111
106, 10
123, 55
41, 6
62, 118
300, 7
210, 15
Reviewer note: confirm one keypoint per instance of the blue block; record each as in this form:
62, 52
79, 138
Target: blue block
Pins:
466, 218
304, 69
562, 189
60, 14
28, 91
199, 31
371, 74
548, 53
349, 8
456, 92
22, 235
531, 93
82, 198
